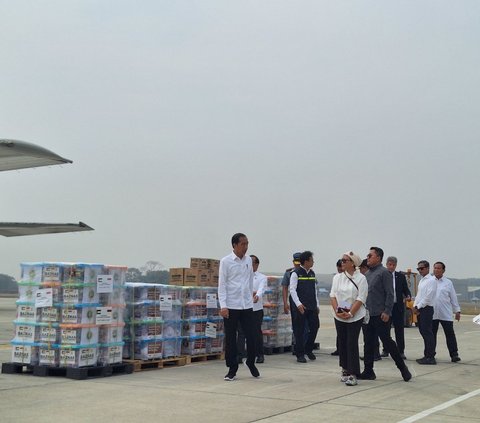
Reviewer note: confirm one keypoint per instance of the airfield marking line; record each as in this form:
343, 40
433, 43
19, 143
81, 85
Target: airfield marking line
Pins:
440, 407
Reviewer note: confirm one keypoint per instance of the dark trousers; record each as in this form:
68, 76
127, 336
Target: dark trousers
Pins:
398, 322
425, 319
449, 336
293, 312
347, 338
378, 327
257, 332
303, 345
244, 318
376, 351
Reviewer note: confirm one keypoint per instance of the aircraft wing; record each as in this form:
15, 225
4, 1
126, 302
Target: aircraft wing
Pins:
21, 229
21, 155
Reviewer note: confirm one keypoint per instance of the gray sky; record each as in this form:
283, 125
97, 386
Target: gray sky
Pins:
322, 125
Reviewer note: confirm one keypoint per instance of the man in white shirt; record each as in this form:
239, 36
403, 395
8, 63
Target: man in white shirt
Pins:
235, 295
259, 286
423, 308
445, 302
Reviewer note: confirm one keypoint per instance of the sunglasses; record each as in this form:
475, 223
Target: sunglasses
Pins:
345, 260
420, 268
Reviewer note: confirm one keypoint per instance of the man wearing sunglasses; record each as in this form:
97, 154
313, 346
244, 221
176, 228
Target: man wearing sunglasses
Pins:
423, 308
379, 305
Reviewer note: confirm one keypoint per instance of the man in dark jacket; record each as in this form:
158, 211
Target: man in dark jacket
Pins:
379, 305
303, 292
400, 293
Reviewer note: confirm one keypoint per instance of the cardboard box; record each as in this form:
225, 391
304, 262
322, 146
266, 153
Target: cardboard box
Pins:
199, 263
214, 264
177, 275
196, 277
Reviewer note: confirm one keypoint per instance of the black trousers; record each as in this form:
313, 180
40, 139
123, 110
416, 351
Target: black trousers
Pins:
378, 327
425, 326
244, 318
347, 338
257, 332
398, 322
305, 346
449, 336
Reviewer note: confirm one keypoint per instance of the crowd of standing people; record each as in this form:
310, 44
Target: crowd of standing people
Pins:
365, 297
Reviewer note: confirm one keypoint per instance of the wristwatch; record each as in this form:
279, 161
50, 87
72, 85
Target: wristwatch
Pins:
350, 314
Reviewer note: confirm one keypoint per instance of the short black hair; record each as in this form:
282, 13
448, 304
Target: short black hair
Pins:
255, 259
440, 263
364, 263
423, 263
339, 262
306, 255
236, 238
378, 251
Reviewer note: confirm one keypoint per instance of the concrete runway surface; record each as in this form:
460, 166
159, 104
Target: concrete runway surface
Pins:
287, 391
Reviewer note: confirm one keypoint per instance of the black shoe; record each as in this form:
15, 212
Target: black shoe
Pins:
426, 360
301, 359
406, 374
377, 358
365, 375
455, 358
253, 370
334, 353
260, 359
384, 354
311, 356
230, 376
403, 356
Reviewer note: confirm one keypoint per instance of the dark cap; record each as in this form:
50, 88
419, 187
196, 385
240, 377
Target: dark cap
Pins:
296, 258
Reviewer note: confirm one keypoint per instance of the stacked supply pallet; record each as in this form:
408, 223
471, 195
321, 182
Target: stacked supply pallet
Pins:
66, 316
154, 321
202, 272
276, 326
202, 325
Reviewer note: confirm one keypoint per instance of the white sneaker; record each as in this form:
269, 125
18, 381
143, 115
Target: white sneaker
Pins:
344, 376
351, 381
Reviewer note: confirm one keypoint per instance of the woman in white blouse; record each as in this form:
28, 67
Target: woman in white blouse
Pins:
348, 296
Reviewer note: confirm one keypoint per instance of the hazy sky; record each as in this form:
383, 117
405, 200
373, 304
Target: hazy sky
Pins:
321, 125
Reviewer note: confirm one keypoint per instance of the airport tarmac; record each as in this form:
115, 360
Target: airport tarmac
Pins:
287, 391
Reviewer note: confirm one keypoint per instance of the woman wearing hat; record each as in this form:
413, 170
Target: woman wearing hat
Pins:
348, 296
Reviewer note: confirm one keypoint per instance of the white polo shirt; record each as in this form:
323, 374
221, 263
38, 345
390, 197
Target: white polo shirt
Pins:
235, 282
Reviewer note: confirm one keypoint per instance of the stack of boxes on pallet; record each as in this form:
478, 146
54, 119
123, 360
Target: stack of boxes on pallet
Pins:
202, 324
69, 315
154, 321
276, 326
202, 272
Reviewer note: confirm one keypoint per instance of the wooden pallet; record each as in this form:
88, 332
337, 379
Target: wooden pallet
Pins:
77, 373
140, 365
204, 357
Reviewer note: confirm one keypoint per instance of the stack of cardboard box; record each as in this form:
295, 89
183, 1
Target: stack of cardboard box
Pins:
202, 272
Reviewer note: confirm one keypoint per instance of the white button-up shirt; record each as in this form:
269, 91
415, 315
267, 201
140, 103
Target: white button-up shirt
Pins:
346, 293
259, 285
235, 282
427, 288
445, 300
